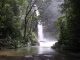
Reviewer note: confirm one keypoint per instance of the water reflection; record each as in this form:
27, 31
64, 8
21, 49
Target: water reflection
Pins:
34, 50
45, 50
37, 53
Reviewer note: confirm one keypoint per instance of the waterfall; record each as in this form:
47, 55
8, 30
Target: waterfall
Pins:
43, 42
40, 32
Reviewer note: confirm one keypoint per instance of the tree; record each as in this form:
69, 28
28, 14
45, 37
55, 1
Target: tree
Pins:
9, 24
18, 23
31, 19
71, 10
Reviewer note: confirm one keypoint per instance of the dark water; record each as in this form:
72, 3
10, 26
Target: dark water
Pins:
35, 53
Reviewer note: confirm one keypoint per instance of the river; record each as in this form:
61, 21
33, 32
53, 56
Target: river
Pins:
35, 53
27, 51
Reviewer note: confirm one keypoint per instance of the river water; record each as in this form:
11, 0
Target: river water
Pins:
36, 53
27, 51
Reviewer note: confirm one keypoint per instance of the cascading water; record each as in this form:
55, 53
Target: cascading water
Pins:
40, 32
43, 42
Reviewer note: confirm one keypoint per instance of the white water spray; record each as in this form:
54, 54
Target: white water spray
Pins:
43, 41
40, 32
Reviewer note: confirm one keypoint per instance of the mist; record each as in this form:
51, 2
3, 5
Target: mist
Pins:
51, 15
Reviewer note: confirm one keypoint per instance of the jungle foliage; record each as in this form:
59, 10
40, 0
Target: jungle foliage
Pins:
69, 30
12, 23
18, 23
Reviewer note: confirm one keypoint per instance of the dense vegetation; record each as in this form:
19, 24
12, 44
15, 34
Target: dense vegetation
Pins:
17, 23
69, 29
